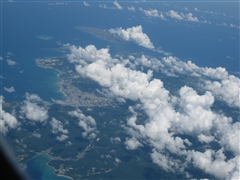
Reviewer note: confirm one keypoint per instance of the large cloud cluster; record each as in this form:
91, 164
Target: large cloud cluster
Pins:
7, 120
165, 125
223, 86
134, 34
32, 111
87, 123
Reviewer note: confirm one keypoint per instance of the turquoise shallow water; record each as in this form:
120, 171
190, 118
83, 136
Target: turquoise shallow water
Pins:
38, 169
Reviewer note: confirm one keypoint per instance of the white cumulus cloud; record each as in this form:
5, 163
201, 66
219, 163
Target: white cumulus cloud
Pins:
131, 8
174, 15
7, 120
87, 123
57, 126
32, 110
152, 13
187, 17
85, 4
134, 34
10, 90
118, 6
223, 86
132, 143
62, 137
11, 62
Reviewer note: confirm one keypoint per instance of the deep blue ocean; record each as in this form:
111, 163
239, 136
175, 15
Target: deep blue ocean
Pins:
201, 43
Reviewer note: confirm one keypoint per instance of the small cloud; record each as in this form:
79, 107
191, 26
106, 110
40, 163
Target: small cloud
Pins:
1, 58
106, 7
37, 135
57, 127
87, 123
223, 24
85, 4
234, 26
229, 57
11, 62
131, 8
32, 110
115, 140
69, 143
174, 15
152, 13
117, 160
11, 89
132, 143
62, 137
188, 17
60, 3
9, 54
195, 9
7, 120
118, 6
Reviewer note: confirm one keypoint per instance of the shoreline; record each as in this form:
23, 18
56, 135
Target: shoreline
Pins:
61, 89
50, 159
58, 75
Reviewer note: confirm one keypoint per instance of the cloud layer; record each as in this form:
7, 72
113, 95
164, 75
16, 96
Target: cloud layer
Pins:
169, 117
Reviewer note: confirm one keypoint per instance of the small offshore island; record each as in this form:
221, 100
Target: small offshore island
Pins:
44, 37
101, 33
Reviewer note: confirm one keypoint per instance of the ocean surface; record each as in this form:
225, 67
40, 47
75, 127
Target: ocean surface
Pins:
20, 26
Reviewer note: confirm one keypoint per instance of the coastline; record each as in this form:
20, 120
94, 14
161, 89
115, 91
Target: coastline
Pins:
50, 158
58, 74
61, 89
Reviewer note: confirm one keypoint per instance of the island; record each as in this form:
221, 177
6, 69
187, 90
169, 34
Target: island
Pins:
44, 37
101, 33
